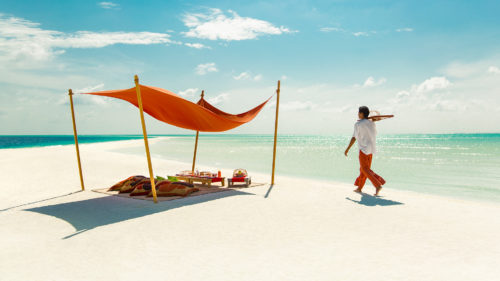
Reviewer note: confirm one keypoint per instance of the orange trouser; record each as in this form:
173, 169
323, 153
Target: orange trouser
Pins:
365, 163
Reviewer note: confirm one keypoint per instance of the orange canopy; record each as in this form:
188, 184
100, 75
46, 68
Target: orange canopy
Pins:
174, 110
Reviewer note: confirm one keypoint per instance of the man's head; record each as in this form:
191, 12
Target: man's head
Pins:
363, 112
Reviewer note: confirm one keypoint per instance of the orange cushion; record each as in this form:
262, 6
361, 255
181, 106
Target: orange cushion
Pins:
173, 189
127, 188
126, 181
141, 188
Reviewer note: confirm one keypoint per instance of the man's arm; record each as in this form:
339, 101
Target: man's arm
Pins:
353, 140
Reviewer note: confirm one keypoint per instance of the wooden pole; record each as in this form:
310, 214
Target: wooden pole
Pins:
196, 141
195, 148
139, 101
70, 93
275, 130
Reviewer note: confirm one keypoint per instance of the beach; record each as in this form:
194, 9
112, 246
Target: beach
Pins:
300, 229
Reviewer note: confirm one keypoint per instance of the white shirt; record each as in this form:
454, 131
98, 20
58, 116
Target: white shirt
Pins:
365, 133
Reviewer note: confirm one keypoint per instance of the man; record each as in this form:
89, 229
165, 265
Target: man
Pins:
365, 133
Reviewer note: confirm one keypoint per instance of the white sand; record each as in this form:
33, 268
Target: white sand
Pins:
303, 230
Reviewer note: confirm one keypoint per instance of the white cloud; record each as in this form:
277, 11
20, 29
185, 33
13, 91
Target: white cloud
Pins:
371, 82
433, 83
23, 39
299, 106
86, 99
204, 68
494, 70
89, 89
247, 76
284, 77
188, 93
218, 99
405, 29
197, 46
242, 76
419, 98
216, 25
402, 94
471, 70
330, 29
108, 5
360, 33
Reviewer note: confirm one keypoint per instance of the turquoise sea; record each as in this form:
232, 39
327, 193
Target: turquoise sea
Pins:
455, 165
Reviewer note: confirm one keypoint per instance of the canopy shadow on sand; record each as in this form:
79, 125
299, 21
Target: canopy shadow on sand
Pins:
91, 213
371, 201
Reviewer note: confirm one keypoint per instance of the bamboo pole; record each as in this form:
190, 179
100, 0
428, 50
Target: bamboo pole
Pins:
196, 141
139, 101
275, 130
195, 148
70, 93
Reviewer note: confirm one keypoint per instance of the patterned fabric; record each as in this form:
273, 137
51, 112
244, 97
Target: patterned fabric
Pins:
167, 188
126, 181
139, 187
127, 188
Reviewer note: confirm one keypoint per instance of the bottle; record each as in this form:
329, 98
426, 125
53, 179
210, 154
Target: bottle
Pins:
219, 174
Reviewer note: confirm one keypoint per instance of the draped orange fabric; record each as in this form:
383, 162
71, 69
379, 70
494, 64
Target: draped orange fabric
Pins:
174, 110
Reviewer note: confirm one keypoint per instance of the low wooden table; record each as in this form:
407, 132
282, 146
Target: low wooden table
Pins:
202, 180
246, 180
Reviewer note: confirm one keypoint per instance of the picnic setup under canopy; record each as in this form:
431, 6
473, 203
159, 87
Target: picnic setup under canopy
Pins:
172, 109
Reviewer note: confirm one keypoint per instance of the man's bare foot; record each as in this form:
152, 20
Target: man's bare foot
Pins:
377, 190
358, 190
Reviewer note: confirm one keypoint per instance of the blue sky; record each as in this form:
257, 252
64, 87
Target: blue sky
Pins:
434, 64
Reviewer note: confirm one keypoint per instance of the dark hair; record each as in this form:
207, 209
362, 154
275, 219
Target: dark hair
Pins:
364, 109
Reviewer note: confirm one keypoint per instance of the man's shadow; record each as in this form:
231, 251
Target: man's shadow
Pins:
370, 200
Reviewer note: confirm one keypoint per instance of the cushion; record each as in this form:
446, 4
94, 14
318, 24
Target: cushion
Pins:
217, 179
174, 189
172, 179
127, 188
126, 181
139, 188
238, 179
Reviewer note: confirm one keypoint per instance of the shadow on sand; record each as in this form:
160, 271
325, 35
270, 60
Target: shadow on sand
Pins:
269, 190
91, 213
369, 200
38, 201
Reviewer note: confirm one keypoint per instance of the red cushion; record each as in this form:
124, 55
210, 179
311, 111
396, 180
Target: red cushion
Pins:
238, 179
216, 179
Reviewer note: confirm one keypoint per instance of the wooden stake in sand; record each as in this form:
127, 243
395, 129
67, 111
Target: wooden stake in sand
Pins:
139, 101
275, 130
70, 93
196, 141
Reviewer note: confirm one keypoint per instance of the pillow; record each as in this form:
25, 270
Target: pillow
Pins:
174, 189
128, 180
139, 188
172, 179
127, 188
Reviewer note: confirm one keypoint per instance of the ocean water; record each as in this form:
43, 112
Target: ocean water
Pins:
48, 140
458, 165
453, 165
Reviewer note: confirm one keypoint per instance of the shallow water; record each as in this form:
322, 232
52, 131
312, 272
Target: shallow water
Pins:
456, 165
460, 165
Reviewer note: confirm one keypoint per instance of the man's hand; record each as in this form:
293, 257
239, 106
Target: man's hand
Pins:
353, 139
